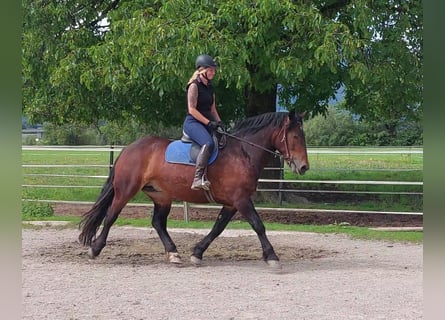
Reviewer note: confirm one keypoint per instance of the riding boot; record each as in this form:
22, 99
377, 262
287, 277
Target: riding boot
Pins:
200, 181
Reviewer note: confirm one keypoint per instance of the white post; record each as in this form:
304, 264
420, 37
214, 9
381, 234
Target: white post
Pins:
186, 211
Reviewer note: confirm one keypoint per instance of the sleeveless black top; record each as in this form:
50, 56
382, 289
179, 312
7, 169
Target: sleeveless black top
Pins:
205, 98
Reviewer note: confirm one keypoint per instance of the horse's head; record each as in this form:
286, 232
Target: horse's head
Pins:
293, 143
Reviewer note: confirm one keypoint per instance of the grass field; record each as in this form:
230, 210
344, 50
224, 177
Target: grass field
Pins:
78, 175
353, 232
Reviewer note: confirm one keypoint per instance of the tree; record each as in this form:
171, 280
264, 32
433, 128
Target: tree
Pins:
130, 60
390, 89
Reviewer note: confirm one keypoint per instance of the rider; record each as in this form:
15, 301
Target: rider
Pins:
202, 117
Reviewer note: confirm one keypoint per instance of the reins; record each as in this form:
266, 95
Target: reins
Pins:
274, 153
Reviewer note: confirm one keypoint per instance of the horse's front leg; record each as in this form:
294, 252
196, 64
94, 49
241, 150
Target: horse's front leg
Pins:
247, 209
159, 223
224, 217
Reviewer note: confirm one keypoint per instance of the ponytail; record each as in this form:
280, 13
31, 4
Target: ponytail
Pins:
201, 70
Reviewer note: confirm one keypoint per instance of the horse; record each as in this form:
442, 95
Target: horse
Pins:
141, 166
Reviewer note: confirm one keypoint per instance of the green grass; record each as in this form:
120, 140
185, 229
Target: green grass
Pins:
379, 205
353, 232
366, 161
363, 167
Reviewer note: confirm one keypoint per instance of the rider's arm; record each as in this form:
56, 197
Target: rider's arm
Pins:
214, 111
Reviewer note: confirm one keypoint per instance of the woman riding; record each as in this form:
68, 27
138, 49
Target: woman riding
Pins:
202, 117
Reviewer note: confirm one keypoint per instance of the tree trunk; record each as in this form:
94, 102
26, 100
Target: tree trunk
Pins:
259, 103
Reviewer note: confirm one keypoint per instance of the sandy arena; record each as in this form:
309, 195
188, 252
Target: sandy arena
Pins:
322, 277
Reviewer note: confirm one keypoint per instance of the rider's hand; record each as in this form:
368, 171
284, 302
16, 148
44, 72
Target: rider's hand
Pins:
221, 126
213, 125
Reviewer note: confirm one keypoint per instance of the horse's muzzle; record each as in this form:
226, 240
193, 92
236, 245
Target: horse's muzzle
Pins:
303, 169
297, 167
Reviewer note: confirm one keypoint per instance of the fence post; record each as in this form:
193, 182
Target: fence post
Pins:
186, 211
111, 156
280, 185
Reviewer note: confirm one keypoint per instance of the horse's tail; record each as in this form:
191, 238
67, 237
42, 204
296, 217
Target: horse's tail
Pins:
92, 219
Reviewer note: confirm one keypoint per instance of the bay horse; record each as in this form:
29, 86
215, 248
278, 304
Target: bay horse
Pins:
141, 166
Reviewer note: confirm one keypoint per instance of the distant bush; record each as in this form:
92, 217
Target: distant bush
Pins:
337, 128
110, 133
340, 128
37, 209
123, 134
69, 135
30, 140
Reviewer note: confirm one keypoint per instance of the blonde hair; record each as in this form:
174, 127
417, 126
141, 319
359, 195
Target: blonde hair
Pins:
201, 70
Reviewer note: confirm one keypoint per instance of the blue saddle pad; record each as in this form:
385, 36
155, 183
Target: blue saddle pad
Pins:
179, 152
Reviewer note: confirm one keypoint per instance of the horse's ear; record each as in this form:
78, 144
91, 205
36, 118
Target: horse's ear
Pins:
291, 115
303, 114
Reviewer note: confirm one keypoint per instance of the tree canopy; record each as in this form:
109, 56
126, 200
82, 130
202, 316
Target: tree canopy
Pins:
88, 61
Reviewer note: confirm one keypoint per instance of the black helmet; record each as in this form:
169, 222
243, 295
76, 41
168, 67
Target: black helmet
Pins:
205, 61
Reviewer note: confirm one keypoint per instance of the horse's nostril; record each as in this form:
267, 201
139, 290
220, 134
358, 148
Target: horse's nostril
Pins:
304, 168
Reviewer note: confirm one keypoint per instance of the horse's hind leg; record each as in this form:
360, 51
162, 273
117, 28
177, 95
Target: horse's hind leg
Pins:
99, 243
224, 217
159, 223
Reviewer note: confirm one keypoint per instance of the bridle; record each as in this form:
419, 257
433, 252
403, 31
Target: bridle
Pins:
284, 140
274, 153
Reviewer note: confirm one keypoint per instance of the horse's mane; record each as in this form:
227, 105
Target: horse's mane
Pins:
254, 124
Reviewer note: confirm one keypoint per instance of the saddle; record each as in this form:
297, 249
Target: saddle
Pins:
185, 150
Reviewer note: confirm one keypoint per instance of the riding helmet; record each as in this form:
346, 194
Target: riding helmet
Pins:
205, 61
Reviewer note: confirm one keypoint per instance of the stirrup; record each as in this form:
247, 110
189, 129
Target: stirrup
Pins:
204, 185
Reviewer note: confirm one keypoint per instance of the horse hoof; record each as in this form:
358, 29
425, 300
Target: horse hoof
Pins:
90, 253
173, 257
196, 261
274, 264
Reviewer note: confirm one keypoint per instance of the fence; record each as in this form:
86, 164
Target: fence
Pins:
280, 182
